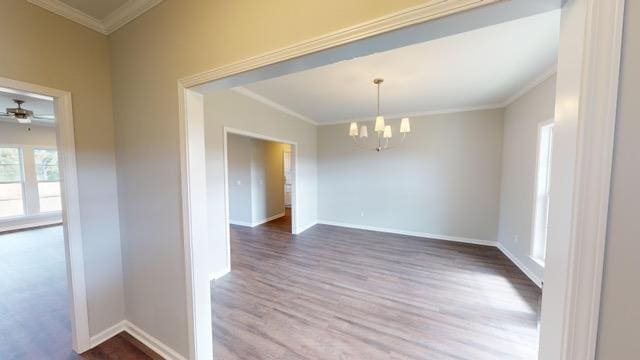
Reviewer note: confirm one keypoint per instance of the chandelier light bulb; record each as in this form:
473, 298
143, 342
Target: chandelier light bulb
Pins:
363, 132
353, 129
387, 132
405, 126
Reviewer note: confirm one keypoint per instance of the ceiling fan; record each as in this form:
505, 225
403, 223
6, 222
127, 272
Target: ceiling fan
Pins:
23, 116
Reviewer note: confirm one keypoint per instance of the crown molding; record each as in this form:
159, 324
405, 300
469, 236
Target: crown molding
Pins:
112, 22
529, 86
59, 8
421, 113
126, 13
272, 104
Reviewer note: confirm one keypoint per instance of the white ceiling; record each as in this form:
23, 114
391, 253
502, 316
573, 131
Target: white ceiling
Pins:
40, 105
486, 67
98, 9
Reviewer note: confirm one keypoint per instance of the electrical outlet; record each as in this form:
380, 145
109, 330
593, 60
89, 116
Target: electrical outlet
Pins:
516, 238
238, 182
362, 213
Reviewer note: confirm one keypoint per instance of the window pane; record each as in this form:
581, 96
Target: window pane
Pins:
11, 200
49, 193
46, 164
9, 156
10, 173
10, 169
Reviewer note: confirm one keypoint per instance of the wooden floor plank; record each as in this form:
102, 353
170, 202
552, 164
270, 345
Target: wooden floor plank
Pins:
34, 303
338, 293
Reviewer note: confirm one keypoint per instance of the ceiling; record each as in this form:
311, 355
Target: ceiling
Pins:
482, 68
104, 16
98, 9
40, 105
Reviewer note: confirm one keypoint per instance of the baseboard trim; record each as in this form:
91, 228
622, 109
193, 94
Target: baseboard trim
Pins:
536, 280
240, 223
271, 218
152, 343
108, 333
149, 341
256, 223
219, 274
301, 229
29, 226
411, 233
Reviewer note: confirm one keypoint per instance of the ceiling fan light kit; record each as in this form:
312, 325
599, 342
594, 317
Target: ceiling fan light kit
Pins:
383, 131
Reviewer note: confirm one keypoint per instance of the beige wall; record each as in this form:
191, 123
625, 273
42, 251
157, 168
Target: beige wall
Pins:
256, 179
443, 180
239, 153
231, 109
46, 49
618, 336
173, 40
521, 119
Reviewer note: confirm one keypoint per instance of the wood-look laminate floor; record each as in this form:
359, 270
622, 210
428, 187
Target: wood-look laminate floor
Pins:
34, 307
338, 293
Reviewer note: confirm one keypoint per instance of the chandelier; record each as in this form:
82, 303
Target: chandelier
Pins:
383, 132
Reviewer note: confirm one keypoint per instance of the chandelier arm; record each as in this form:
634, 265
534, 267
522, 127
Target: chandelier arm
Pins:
359, 144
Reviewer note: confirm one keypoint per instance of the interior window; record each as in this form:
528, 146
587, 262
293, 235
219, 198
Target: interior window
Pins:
48, 177
11, 182
541, 214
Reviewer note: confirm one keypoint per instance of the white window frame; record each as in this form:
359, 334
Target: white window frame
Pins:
535, 251
37, 188
22, 183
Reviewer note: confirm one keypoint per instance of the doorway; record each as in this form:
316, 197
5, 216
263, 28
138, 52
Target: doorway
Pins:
577, 257
260, 181
46, 194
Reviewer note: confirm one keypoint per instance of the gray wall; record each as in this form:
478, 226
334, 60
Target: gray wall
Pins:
239, 154
230, 109
256, 182
619, 318
58, 53
521, 119
444, 179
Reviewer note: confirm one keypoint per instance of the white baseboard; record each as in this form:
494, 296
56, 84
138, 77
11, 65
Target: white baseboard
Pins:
240, 223
411, 233
108, 333
28, 223
301, 229
152, 343
219, 274
260, 222
256, 223
149, 341
530, 274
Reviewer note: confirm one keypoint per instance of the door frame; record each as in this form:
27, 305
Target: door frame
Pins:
72, 226
294, 190
570, 308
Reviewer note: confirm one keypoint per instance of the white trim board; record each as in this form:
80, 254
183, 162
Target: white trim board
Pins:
112, 22
272, 104
30, 225
219, 274
536, 280
149, 341
459, 239
303, 228
256, 223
